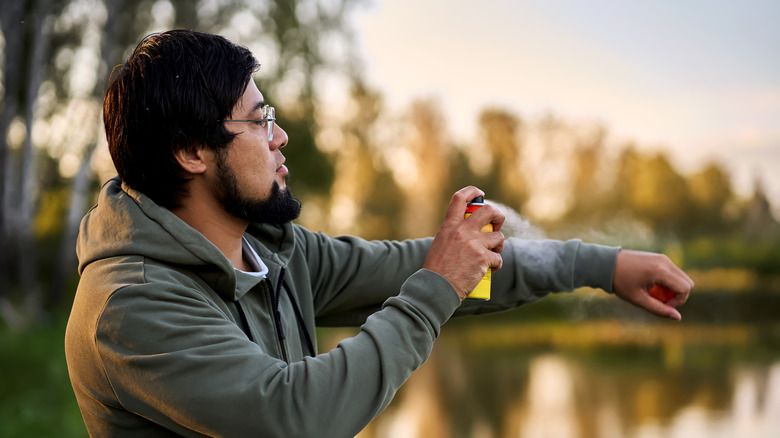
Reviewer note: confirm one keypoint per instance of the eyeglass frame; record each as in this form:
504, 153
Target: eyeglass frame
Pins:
269, 114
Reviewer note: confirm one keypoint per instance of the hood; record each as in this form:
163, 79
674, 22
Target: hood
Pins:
125, 222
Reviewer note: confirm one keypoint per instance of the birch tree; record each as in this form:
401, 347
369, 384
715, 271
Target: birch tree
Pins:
45, 44
26, 34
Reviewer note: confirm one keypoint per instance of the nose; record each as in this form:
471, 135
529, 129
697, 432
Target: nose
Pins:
280, 137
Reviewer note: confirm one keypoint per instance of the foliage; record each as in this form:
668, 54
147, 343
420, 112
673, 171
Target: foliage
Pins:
363, 171
50, 114
38, 400
760, 256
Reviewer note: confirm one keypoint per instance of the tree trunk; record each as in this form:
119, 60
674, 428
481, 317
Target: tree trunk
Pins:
28, 261
116, 36
28, 201
66, 262
24, 205
10, 20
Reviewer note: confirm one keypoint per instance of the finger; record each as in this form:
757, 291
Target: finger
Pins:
497, 219
488, 214
457, 207
679, 283
496, 261
498, 222
680, 295
657, 307
686, 279
677, 300
680, 276
494, 241
670, 284
668, 296
673, 314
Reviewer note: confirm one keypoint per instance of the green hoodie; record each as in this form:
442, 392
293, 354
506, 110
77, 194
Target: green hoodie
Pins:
166, 338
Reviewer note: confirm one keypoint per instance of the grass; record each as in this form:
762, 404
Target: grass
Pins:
36, 399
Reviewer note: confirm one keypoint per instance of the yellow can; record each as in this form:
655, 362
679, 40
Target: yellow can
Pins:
482, 291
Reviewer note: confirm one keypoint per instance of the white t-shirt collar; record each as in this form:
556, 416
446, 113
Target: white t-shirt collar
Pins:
250, 255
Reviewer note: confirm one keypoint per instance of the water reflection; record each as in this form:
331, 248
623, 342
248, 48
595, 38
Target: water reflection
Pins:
553, 395
592, 379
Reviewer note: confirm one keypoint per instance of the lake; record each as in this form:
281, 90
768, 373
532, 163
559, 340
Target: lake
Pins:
590, 366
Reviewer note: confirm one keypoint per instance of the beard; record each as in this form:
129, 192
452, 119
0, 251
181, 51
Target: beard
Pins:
279, 208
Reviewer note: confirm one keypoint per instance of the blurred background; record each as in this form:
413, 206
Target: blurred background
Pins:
653, 125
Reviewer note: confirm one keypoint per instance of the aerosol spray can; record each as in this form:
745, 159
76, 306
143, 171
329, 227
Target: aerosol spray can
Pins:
482, 291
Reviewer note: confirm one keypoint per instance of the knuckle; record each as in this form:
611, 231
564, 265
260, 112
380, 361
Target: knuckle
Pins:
460, 194
663, 260
459, 234
499, 261
659, 263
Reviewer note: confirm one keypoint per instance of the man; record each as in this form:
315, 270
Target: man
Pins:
198, 297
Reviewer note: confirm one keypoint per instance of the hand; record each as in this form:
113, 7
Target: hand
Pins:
636, 272
460, 252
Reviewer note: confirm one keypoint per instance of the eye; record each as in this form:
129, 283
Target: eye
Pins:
261, 122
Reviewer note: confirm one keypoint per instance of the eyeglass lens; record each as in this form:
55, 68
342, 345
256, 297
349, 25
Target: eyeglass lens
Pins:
270, 114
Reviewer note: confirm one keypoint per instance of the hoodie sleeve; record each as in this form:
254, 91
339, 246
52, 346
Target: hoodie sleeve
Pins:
352, 277
171, 356
535, 268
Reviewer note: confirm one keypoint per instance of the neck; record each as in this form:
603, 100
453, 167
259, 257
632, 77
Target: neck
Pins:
222, 229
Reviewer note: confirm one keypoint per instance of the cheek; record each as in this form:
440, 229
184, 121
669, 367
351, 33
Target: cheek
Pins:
254, 163
251, 158
260, 173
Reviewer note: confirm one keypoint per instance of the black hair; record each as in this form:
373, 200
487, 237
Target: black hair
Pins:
170, 95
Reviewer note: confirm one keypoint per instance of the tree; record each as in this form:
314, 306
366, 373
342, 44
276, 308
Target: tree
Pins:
651, 190
365, 183
46, 44
501, 131
24, 73
711, 194
588, 194
119, 33
758, 221
11, 25
428, 164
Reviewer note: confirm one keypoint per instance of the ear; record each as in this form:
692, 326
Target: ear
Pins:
191, 160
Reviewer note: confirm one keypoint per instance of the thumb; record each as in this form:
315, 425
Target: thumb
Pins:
657, 307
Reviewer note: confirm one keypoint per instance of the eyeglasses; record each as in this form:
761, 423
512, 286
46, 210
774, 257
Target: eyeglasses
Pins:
269, 116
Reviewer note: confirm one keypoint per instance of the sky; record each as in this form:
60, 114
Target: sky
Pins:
698, 79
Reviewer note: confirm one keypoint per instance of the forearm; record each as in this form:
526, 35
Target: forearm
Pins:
535, 268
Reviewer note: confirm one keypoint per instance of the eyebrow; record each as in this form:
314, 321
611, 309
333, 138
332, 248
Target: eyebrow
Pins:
258, 106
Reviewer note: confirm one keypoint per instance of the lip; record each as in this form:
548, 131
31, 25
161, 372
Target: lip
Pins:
282, 170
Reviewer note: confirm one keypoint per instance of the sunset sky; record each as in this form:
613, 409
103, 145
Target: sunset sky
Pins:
700, 79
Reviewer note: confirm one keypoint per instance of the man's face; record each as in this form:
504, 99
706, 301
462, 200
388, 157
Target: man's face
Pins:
251, 179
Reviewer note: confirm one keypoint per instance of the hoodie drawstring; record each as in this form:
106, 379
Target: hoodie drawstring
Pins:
244, 321
298, 316
277, 297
